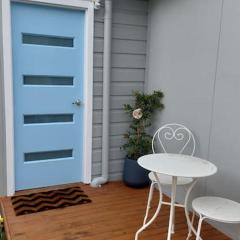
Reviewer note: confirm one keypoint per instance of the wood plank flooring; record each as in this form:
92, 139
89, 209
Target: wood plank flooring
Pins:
116, 212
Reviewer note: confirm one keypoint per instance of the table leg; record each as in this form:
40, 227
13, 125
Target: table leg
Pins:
150, 195
172, 209
146, 224
189, 228
189, 222
201, 218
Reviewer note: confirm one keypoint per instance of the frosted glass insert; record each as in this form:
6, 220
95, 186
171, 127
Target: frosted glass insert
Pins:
47, 118
47, 40
48, 155
47, 80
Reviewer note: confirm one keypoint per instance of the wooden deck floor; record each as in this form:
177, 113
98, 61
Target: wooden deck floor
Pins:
115, 214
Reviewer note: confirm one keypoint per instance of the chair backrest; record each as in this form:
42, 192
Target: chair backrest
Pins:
176, 134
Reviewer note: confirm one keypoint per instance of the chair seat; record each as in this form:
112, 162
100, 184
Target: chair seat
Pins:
218, 209
167, 180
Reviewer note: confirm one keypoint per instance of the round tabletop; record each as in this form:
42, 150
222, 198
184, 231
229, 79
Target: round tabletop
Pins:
177, 165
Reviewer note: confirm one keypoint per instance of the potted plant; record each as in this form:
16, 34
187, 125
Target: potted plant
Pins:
138, 141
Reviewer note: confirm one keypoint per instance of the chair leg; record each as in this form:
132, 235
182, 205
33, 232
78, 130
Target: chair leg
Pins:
199, 227
150, 195
189, 228
173, 221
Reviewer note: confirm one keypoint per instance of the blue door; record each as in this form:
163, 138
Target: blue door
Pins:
48, 72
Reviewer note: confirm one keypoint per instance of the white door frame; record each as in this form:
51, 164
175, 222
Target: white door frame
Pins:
88, 7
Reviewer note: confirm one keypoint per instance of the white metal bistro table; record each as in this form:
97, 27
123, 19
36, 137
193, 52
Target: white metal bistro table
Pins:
175, 165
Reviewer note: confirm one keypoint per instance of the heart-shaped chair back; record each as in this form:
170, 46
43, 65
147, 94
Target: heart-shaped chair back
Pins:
174, 138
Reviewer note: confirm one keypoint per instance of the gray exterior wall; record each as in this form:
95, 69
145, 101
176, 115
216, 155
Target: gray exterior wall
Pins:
194, 57
128, 74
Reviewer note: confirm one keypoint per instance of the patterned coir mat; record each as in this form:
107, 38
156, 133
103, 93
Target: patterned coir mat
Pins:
43, 201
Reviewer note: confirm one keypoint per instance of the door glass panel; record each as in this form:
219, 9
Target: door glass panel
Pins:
47, 118
47, 80
37, 39
48, 155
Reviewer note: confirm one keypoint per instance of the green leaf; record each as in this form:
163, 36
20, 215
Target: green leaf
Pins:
138, 141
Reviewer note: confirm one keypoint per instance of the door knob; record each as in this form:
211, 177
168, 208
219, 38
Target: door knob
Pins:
77, 102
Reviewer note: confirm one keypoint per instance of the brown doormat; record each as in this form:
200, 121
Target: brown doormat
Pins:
43, 201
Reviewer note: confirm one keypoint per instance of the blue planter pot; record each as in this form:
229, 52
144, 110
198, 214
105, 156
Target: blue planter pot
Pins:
134, 175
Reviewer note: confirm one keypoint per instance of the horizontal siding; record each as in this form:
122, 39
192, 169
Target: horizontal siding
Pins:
121, 46
115, 115
115, 129
116, 102
122, 60
131, 5
114, 167
122, 31
115, 141
114, 154
121, 75
123, 16
129, 34
118, 88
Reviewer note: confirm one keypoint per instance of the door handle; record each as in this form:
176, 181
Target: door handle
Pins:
77, 102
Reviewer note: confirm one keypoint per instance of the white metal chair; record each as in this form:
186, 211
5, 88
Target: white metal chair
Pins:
184, 143
217, 209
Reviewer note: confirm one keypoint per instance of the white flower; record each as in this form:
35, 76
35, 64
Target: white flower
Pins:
137, 113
